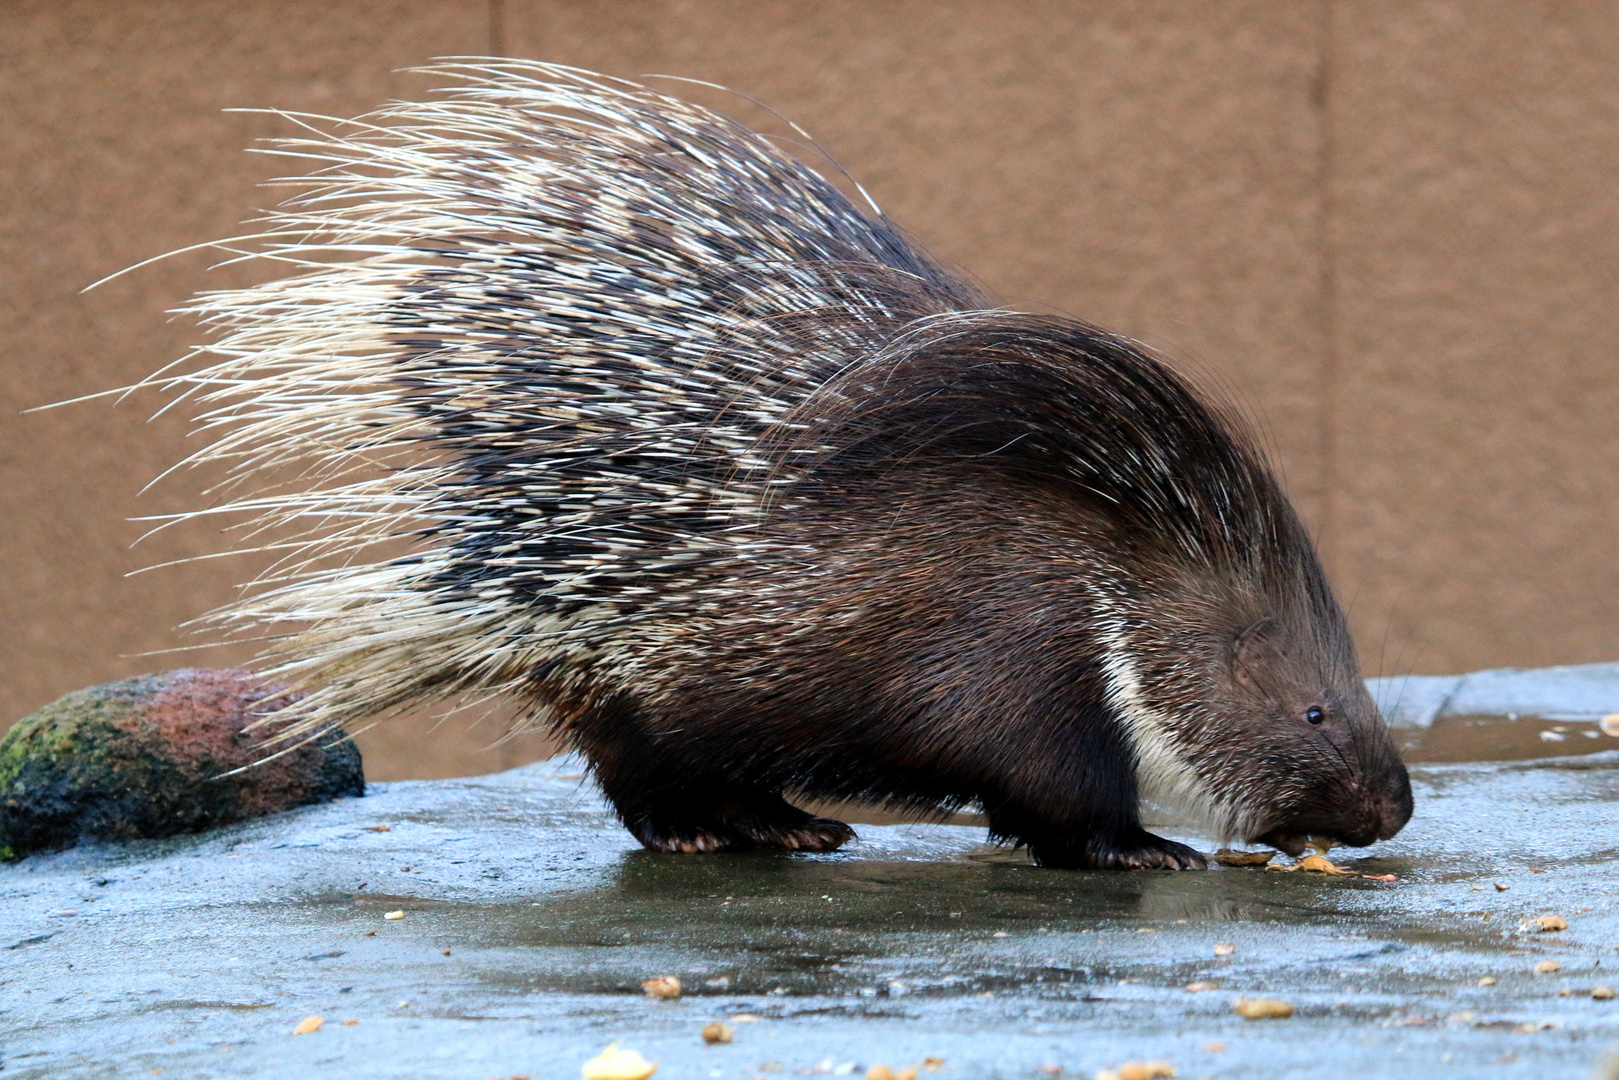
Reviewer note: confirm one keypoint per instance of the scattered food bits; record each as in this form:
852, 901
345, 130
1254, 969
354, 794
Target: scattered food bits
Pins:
369, 933
393, 916
1198, 987
616, 1063
1380, 877
1603, 993
1542, 924
1488, 980
1535, 869
309, 1025
717, 1032
378, 828
664, 988
1224, 948
1320, 864
351, 1023
1214, 1048
883, 1072
933, 1064
1230, 857
446, 952
744, 1018
1500, 887
1546, 967
999, 933
1610, 725
1262, 1009
1566, 991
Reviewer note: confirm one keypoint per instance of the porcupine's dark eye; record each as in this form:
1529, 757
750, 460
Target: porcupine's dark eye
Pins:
1314, 715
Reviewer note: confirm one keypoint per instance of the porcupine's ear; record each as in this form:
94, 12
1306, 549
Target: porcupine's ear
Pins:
1256, 653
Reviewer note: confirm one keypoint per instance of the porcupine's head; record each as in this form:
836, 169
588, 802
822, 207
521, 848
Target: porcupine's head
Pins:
1227, 658
1241, 691
1194, 588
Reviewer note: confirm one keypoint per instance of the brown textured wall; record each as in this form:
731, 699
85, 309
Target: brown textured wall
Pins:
1386, 226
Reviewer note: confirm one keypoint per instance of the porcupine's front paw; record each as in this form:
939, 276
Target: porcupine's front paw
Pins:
1139, 850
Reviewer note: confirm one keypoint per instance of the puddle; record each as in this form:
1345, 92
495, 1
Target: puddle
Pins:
1456, 739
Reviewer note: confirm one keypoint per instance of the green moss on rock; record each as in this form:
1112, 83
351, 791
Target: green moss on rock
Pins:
147, 757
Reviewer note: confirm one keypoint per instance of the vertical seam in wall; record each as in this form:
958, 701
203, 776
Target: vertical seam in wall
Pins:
1326, 254
497, 27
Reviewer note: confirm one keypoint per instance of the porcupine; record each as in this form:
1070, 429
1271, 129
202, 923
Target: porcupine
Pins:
746, 497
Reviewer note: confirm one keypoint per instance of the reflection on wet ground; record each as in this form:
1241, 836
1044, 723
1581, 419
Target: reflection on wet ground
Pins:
529, 923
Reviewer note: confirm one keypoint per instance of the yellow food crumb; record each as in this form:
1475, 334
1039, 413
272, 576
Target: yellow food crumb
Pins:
393, 916
1138, 1070
1540, 924
1145, 1070
1262, 1009
616, 1063
1224, 948
1320, 864
309, 1025
663, 987
717, 1032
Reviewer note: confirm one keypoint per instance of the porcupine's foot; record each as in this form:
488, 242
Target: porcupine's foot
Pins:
1135, 850
745, 823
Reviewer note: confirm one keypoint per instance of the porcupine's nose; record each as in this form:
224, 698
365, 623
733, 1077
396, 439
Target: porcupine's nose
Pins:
1391, 808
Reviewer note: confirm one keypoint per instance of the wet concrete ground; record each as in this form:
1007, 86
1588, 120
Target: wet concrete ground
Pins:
530, 920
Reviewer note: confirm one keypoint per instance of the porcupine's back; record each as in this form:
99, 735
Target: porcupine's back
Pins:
544, 330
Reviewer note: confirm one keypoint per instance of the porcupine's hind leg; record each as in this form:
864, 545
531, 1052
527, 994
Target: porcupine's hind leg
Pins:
670, 806
703, 814
698, 819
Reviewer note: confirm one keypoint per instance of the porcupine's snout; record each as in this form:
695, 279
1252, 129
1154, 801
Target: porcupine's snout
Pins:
1385, 803
1374, 807
1383, 810
1392, 806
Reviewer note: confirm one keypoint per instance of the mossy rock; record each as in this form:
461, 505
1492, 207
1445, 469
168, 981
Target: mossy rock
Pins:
148, 757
